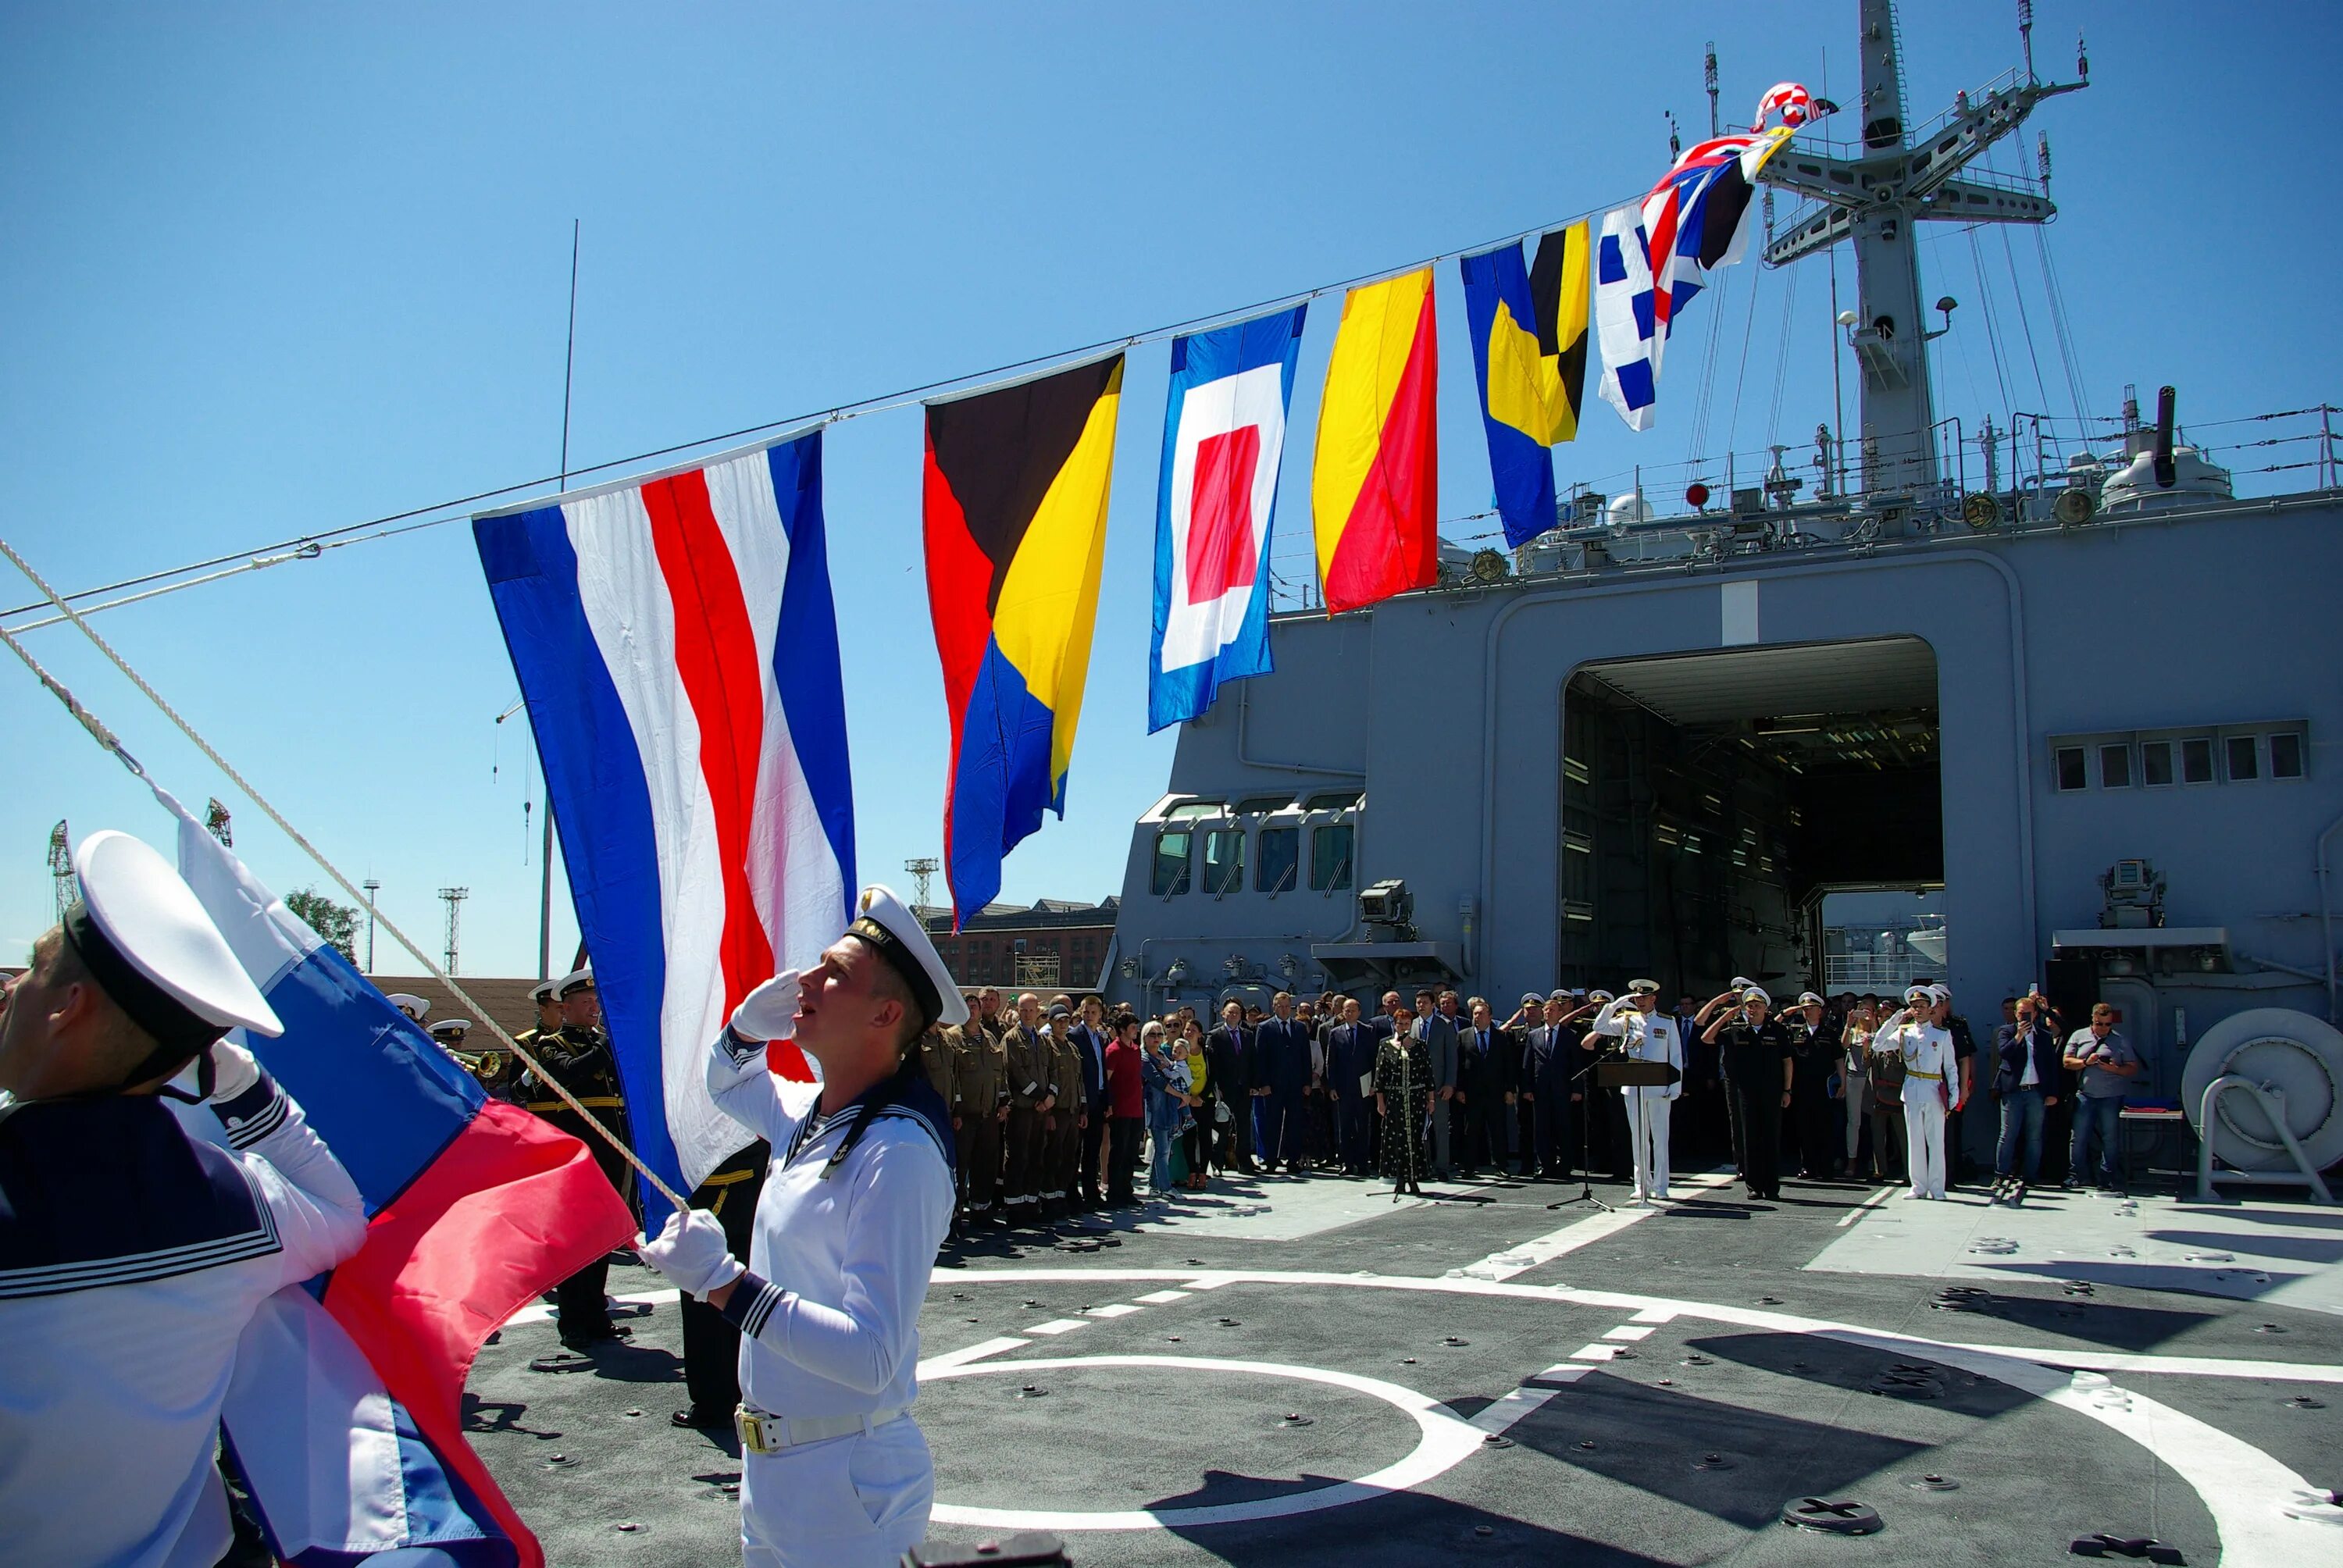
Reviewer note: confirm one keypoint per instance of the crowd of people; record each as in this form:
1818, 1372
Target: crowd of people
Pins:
1059, 1104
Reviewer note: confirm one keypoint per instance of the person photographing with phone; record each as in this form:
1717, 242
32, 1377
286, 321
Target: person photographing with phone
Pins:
2107, 1062
834, 1473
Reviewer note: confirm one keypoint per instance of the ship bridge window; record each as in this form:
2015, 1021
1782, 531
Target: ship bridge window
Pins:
2114, 766
1188, 810
2159, 758
1170, 876
2155, 763
1224, 860
1330, 857
1262, 805
1279, 863
2286, 755
1337, 800
2069, 761
2244, 760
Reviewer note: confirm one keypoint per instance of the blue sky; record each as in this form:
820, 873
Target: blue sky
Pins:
267, 270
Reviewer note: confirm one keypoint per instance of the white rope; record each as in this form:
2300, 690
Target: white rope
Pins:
104, 737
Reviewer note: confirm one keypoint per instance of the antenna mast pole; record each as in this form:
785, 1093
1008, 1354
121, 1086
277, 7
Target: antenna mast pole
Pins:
1873, 199
1711, 70
545, 856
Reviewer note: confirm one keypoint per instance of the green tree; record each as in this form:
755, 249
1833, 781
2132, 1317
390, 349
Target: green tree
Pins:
337, 924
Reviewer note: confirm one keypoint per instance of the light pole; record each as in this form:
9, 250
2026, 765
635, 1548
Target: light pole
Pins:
372, 887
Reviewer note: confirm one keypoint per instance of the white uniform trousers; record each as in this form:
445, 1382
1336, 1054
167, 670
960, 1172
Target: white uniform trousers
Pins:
857, 1501
1924, 1127
1647, 1132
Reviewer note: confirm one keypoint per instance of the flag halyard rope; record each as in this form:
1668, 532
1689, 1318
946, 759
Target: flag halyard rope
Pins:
105, 738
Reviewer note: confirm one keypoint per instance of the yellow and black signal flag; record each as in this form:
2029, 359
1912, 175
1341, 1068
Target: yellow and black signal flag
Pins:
1529, 342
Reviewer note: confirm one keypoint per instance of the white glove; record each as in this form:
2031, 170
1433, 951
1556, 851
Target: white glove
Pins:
691, 1252
769, 1012
233, 1071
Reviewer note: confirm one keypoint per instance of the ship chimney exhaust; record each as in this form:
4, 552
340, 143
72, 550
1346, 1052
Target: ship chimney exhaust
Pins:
2165, 475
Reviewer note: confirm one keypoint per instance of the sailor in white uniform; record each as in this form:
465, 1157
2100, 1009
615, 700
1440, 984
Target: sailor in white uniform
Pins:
857, 1198
1645, 1034
1928, 1063
133, 1252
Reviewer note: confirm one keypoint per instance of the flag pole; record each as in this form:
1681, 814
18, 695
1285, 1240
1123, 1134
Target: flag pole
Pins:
545, 859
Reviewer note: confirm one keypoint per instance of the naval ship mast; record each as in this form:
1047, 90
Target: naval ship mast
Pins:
1873, 199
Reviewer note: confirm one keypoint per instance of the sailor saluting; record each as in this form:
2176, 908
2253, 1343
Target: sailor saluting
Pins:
132, 1253
856, 1201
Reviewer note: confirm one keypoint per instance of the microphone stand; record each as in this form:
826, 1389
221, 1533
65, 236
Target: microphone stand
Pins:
1586, 1142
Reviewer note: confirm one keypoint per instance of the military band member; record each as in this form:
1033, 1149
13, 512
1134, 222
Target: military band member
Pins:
548, 1013
1071, 1118
1645, 1034
415, 1009
711, 1344
983, 1117
834, 1473
1032, 1095
492, 1067
578, 1057
138, 1236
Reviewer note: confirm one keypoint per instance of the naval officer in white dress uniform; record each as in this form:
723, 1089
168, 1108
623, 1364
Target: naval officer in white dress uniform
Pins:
857, 1198
1929, 1067
133, 1252
1646, 1034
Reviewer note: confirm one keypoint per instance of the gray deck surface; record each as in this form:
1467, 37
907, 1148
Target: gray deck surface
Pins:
1613, 1354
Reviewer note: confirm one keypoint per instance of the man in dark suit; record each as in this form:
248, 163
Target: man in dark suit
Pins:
1550, 1061
1229, 1050
1438, 1032
1487, 1055
1282, 1061
1350, 1059
1091, 1038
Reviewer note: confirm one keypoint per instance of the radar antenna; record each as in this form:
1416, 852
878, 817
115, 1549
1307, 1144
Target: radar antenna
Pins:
1873, 199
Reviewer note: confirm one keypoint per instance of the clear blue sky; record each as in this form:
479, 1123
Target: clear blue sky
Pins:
265, 270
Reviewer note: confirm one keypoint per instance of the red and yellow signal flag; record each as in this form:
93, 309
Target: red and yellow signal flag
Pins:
1015, 505
1376, 484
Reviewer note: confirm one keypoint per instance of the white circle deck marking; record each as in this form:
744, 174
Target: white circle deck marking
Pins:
1445, 1439
2242, 1487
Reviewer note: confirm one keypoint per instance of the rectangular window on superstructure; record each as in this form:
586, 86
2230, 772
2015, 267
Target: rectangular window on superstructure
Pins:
1171, 874
2286, 754
2114, 766
2155, 763
2196, 761
2068, 760
1224, 860
2244, 758
1278, 866
1330, 857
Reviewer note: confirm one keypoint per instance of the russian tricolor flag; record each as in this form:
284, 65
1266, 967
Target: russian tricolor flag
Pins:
677, 648
346, 1417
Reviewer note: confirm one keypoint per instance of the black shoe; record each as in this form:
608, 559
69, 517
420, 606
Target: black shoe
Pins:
2070, 1185
697, 1419
579, 1339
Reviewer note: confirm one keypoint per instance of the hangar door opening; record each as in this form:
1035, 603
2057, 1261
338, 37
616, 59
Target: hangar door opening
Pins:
1708, 799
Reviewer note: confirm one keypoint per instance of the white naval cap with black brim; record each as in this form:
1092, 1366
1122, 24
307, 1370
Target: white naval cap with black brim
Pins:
145, 939
884, 923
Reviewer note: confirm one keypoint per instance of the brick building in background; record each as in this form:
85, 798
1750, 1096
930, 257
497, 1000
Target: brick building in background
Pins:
1056, 943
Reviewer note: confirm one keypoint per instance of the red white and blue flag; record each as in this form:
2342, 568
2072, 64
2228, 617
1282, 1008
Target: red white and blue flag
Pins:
1224, 435
677, 644
1654, 257
344, 1411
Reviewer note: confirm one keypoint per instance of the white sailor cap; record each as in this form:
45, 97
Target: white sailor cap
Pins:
1742, 982
581, 979
1644, 987
452, 1028
1757, 993
1939, 992
1559, 993
413, 1006
1808, 998
145, 939
542, 991
1531, 999
1599, 996
888, 925
1918, 993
